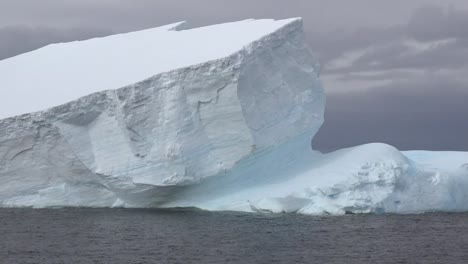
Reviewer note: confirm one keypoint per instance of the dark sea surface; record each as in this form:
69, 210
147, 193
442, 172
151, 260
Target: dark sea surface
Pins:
189, 236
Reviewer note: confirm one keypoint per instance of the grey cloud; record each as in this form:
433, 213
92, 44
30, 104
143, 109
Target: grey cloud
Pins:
333, 44
399, 74
20, 39
385, 47
434, 22
428, 113
446, 56
398, 56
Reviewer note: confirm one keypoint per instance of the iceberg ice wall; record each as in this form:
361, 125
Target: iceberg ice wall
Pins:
219, 118
141, 143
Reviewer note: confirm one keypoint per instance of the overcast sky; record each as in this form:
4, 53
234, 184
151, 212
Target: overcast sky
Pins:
394, 71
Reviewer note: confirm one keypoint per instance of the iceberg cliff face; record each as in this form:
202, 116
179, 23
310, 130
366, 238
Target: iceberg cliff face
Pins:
142, 143
205, 118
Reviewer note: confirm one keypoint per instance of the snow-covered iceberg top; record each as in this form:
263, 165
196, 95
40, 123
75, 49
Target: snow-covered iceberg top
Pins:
63, 72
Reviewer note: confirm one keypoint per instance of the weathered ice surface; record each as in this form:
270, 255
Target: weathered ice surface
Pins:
141, 144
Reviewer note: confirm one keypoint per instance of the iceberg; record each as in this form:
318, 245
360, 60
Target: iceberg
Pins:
219, 118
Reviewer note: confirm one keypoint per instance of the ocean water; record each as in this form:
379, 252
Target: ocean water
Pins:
191, 236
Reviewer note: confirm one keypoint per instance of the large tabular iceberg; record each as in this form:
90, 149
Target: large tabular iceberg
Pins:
218, 118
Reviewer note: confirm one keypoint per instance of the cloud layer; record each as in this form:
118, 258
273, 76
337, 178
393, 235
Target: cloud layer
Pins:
405, 85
